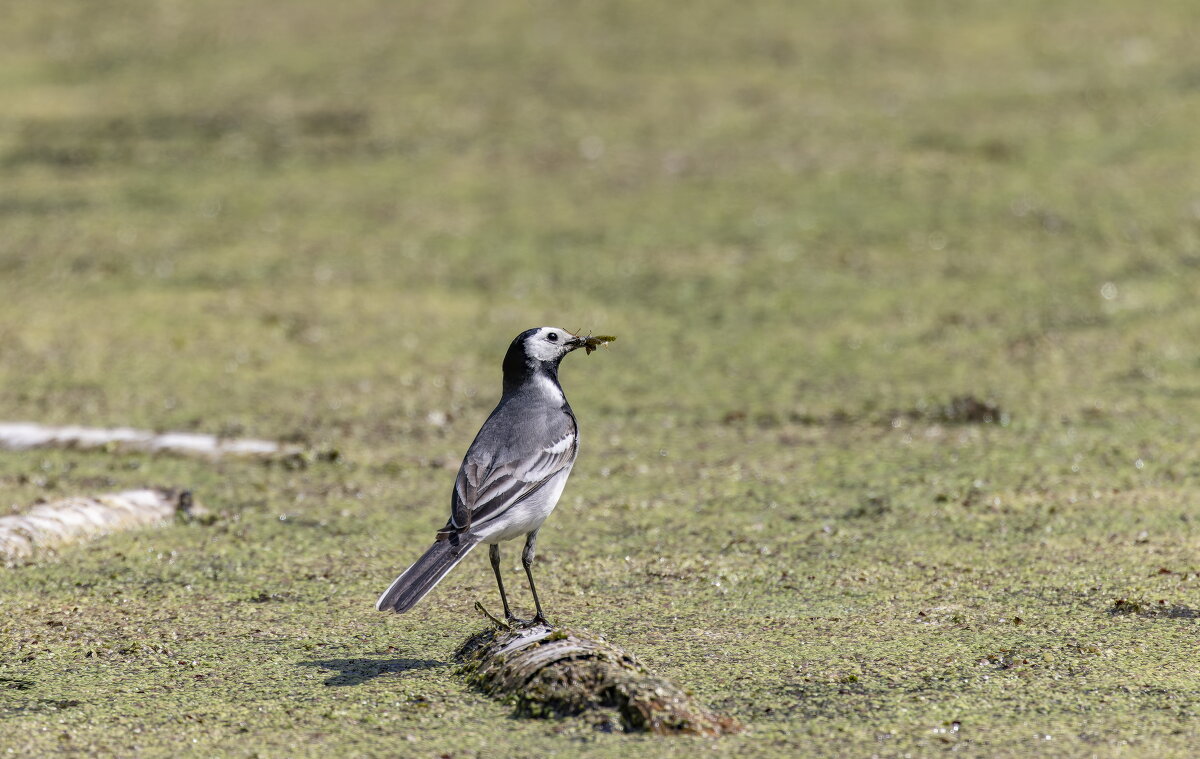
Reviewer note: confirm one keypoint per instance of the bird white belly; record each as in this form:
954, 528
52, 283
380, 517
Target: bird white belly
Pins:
528, 515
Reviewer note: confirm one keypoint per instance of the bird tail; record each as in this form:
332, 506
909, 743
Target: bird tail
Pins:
426, 572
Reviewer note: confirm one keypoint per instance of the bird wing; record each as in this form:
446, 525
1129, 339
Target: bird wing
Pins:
485, 489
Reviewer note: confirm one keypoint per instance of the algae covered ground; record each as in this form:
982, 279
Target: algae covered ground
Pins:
895, 455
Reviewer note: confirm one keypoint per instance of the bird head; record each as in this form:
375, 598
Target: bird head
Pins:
542, 348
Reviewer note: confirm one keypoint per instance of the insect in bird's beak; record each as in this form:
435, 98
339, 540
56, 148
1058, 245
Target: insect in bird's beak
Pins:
590, 342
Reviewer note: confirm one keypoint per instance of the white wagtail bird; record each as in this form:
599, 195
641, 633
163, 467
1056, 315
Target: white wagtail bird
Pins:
513, 473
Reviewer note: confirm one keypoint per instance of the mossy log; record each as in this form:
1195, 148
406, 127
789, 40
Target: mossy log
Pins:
549, 672
50, 525
19, 436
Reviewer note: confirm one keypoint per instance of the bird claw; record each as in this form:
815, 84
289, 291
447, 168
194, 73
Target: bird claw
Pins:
512, 621
525, 624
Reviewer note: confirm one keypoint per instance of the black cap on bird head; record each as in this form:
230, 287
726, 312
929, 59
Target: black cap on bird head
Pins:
537, 350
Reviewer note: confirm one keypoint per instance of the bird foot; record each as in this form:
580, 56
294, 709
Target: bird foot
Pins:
512, 621
524, 624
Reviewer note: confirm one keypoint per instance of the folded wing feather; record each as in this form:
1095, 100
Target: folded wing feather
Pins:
481, 492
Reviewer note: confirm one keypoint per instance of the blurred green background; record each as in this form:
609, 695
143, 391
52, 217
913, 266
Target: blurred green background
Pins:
813, 226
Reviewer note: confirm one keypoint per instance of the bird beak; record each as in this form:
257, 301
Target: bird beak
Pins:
575, 342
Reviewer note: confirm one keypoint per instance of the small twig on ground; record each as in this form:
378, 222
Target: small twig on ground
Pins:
488, 615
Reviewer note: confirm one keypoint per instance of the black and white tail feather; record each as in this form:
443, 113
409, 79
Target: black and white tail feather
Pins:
512, 475
425, 573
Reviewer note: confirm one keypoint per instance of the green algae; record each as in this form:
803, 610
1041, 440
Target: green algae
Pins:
821, 231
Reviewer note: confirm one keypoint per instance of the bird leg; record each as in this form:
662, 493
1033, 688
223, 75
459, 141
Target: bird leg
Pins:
494, 554
527, 562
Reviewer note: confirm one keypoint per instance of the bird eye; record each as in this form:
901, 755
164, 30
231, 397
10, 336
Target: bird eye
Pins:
552, 337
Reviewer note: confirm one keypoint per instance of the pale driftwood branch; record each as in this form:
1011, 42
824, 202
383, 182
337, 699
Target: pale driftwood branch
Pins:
559, 672
24, 435
50, 525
